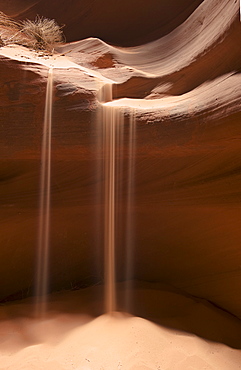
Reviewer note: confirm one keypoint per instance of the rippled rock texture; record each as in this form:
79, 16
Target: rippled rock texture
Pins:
184, 90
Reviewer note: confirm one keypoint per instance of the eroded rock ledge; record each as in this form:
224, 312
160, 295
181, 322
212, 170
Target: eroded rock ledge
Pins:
184, 90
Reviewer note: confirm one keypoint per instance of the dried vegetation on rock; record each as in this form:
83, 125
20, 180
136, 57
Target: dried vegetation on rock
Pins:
40, 34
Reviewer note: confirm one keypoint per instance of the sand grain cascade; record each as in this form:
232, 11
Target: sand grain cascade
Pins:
118, 148
42, 274
109, 122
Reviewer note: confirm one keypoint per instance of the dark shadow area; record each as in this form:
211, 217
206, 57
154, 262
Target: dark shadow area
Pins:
118, 22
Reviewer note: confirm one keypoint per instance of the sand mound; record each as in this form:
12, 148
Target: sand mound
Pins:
67, 338
110, 342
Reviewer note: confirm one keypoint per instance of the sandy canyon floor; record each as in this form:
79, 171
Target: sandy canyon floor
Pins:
67, 338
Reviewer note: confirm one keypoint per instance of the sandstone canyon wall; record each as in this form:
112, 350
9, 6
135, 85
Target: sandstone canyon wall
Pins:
184, 88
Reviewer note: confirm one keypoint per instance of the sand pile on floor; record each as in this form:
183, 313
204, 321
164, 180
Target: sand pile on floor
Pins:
74, 340
112, 342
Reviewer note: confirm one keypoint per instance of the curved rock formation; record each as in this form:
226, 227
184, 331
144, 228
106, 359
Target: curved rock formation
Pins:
118, 22
184, 92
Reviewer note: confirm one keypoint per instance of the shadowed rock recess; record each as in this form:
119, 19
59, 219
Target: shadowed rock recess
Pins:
177, 67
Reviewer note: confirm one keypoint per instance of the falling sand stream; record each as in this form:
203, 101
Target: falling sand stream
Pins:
112, 121
107, 119
115, 183
110, 142
42, 275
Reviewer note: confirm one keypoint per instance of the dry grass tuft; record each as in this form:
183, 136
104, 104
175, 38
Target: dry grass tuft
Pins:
43, 33
40, 34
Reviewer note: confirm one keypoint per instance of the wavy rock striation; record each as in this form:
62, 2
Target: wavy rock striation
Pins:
184, 89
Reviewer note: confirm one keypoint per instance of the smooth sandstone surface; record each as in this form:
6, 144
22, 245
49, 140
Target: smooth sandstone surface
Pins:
183, 90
